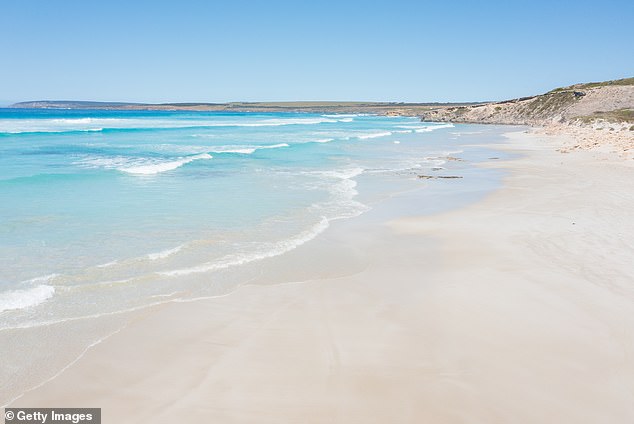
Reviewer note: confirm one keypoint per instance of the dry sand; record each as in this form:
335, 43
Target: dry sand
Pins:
516, 309
610, 137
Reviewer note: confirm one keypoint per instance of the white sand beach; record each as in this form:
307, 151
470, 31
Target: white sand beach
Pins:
518, 308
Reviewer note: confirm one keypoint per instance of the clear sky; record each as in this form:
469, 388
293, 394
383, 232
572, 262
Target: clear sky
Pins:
231, 50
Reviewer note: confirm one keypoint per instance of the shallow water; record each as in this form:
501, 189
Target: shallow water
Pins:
104, 211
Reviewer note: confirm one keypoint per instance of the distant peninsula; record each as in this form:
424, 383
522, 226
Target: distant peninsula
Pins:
380, 108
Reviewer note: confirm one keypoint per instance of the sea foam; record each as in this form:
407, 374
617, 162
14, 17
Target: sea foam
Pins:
425, 128
164, 253
246, 150
139, 166
374, 135
47, 125
21, 299
157, 168
267, 250
275, 122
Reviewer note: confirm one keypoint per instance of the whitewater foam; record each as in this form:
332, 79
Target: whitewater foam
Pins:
275, 122
157, 168
56, 125
107, 264
247, 150
139, 166
343, 190
433, 128
374, 135
268, 250
423, 128
343, 174
25, 298
164, 253
244, 150
41, 280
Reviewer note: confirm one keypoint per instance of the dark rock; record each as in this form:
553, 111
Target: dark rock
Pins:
433, 177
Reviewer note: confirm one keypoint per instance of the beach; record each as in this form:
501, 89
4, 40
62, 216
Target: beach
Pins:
516, 307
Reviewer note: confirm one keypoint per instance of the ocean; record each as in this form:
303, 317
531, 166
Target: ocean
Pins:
110, 211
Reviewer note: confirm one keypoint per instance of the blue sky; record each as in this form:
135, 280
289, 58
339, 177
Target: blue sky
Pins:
417, 51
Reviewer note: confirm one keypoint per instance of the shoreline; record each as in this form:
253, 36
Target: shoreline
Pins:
40, 348
514, 308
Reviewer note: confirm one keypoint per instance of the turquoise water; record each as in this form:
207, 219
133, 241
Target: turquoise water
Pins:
102, 211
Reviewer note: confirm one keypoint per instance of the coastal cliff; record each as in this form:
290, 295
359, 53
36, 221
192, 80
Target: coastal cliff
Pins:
611, 101
592, 115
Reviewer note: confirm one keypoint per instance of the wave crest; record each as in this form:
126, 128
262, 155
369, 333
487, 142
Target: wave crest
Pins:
62, 125
21, 299
269, 250
157, 168
374, 135
140, 166
246, 150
